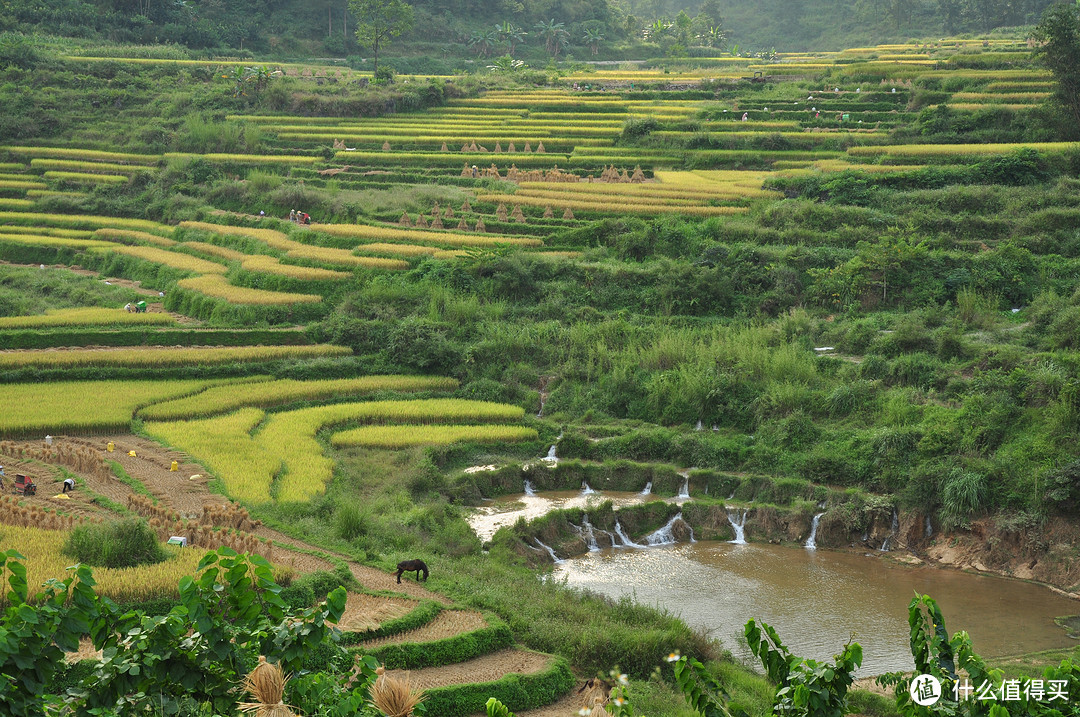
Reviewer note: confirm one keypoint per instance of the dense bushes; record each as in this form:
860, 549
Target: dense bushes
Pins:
116, 544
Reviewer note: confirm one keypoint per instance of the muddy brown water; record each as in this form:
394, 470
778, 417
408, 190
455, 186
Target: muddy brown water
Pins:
817, 600
507, 509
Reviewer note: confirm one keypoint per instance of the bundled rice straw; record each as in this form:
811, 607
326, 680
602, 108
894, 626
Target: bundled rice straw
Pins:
394, 697
267, 685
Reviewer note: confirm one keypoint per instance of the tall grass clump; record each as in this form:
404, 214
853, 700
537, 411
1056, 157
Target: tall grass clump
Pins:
119, 544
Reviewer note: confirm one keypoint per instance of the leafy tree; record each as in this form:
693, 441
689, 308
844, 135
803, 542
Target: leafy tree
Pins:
710, 12
683, 24
659, 28
936, 655
593, 38
512, 35
951, 11
709, 33
228, 615
379, 21
1059, 33
805, 687
36, 631
484, 41
554, 35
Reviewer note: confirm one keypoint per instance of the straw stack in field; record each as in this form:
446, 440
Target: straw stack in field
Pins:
394, 696
267, 685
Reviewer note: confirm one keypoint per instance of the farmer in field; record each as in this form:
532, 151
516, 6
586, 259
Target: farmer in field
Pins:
69, 484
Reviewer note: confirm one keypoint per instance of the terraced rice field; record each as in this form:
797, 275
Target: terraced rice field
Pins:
481, 669
368, 612
160, 356
283, 461
87, 316
446, 624
265, 394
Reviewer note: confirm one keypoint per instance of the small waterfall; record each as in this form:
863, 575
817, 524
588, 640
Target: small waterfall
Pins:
664, 535
700, 426
529, 490
732, 496
540, 413
684, 492
811, 543
588, 534
627, 542
551, 457
929, 528
706, 489
550, 552
648, 489
740, 536
886, 545
612, 537
585, 489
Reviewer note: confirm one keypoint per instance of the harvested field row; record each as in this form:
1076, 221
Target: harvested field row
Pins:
481, 669
446, 624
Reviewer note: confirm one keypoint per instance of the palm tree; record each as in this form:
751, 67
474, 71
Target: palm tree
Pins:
593, 38
555, 36
512, 35
484, 41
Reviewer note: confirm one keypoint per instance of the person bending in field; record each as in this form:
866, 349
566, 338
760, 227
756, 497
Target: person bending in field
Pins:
69, 484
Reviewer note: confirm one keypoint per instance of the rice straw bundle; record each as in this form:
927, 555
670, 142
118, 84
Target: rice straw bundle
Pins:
394, 697
267, 685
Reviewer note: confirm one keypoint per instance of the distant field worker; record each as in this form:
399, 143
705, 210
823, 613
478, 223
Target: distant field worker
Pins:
69, 484
292, 215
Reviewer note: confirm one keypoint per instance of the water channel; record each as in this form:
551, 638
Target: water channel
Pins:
816, 599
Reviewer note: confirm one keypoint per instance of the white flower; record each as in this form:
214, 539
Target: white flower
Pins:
624, 679
674, 657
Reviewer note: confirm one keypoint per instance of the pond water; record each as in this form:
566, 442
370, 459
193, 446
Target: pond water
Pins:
818, 599
508, 508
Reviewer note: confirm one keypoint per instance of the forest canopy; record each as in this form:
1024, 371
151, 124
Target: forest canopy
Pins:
606, 28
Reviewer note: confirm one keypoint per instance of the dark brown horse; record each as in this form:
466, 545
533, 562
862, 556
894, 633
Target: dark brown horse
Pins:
407, 566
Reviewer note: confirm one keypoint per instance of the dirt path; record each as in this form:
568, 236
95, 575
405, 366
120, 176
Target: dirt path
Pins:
150, 466
446, 624
481, 669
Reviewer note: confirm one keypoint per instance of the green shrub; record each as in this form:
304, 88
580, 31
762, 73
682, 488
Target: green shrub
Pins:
118, 544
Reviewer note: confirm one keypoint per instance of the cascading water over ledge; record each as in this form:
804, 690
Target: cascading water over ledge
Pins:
738, 522
811, 542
